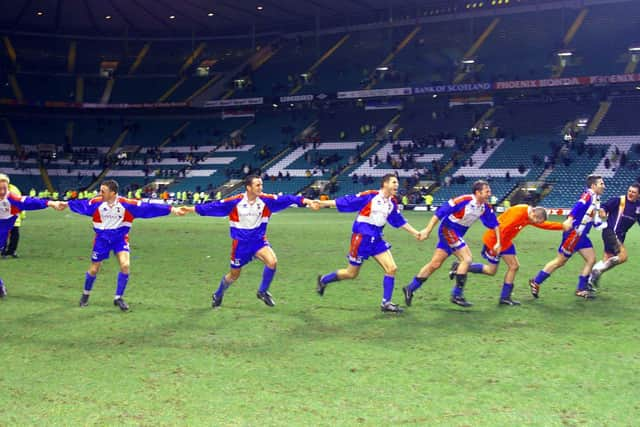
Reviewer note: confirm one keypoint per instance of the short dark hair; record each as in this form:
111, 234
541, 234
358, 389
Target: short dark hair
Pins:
479, 185
540, 212
592, 179
386, 178
249, 179
636, 186
111, 185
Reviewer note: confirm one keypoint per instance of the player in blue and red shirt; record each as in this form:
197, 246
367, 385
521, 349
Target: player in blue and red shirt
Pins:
249, 215
375, 209
112, 218
583, 216
623, 211
457, 216
10, 207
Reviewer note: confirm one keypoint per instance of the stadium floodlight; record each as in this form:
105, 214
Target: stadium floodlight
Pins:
40, 13
382, 68
634, 49
468, 61
565, 53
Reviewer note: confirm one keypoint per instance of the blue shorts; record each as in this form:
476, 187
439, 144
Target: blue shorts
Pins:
103, 246
363, 246
572, 243
490, 256
449, 240
243, 251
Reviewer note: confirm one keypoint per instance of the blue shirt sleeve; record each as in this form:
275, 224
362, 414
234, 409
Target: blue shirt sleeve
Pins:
147, 210
353, 203
395, 218
83, 207
448, 208
279, 203
488, 217
26, 203
216, 208
579, 210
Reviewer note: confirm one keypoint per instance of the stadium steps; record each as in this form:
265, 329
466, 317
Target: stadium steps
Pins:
112, 150
172, 89
217, 88
320, 60
568, 38
191, 58
79, 89
392, 55
15, 87
11, 52
108, 89
631, 65
71, 57
598, 117
204, 87
475, 46
139, 57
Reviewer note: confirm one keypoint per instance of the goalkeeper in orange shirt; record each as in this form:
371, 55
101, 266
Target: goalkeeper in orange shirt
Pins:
510, 222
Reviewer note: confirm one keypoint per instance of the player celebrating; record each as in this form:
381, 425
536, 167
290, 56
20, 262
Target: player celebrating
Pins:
112, 218
511, 222
576, 227
623, 212
457, 216
375, 209
10, 207
249, 215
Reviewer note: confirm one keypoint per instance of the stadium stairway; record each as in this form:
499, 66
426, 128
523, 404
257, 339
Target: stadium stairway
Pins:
566, 41
469, 54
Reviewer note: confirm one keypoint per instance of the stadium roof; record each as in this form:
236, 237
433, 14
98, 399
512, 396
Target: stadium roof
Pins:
184, 18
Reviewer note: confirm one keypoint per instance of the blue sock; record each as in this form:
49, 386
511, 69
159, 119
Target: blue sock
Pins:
387, 285
122, 284
88, 281
331, 277
476, 268
267, 278
506, 290
457, 290
541, 277
582, 283
222, 288
416, 283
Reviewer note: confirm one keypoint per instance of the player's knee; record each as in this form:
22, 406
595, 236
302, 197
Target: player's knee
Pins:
491, 270
272, 264
468, 259
391, 270
434, 264
351, 274
622, 257
514, 267
234, 274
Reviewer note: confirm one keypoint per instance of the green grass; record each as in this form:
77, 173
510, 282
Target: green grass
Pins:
335, 360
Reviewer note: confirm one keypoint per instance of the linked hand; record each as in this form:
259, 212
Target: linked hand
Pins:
496, 248
59, 206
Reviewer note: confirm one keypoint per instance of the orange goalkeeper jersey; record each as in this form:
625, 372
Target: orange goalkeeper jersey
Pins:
511, 222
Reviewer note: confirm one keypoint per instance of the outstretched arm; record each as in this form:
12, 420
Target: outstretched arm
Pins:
326, 203
425, 232
498, 245
409, 229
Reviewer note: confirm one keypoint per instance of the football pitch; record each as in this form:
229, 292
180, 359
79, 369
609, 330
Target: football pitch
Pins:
311, 360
